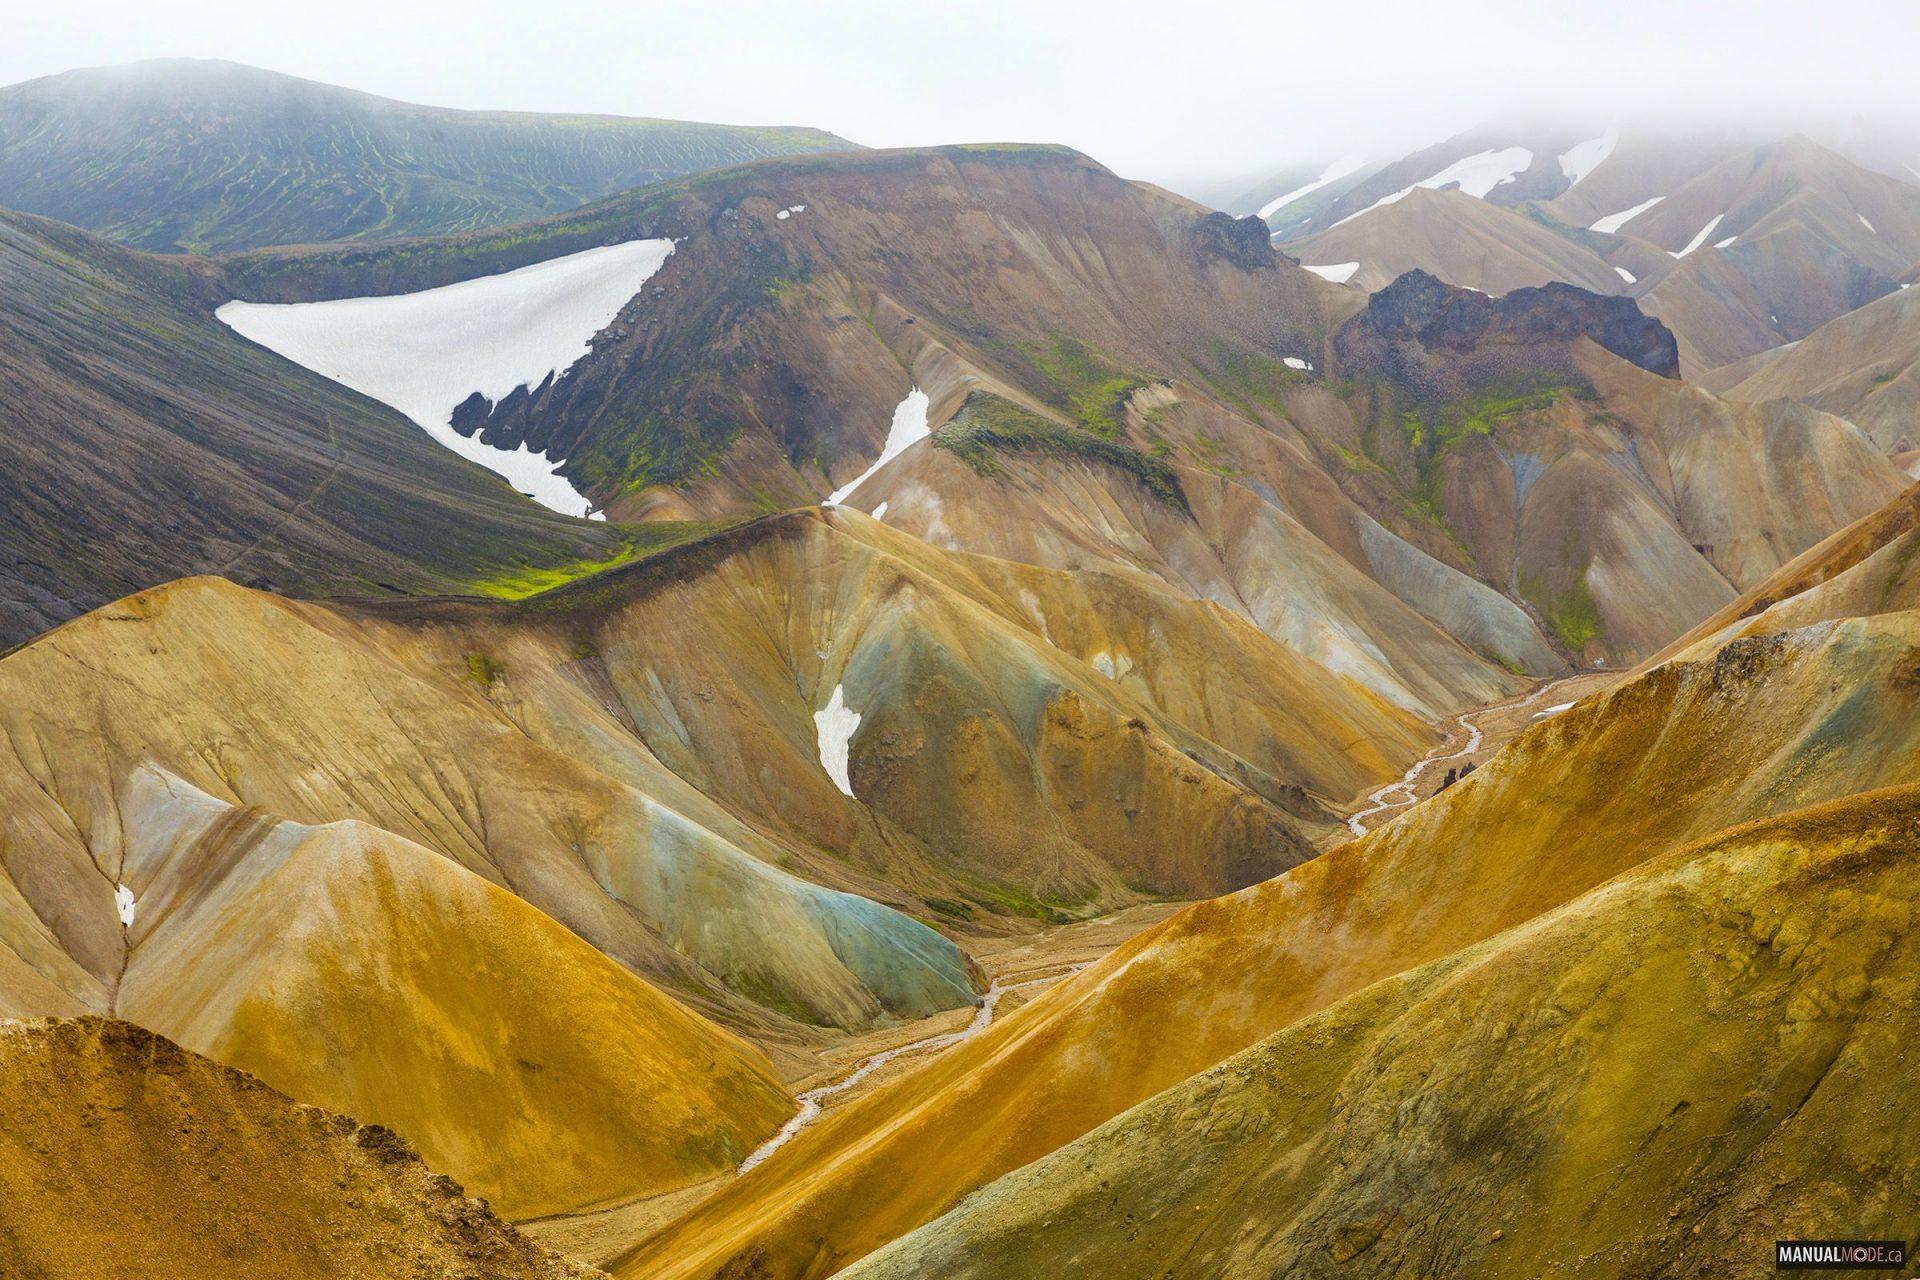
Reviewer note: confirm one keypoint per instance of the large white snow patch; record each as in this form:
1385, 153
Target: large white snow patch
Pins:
1333, 173
1584, 157
1338, 272
124, 904
833, 726
909, 428
1476, 175
1626, 275
424, 353
1614, 221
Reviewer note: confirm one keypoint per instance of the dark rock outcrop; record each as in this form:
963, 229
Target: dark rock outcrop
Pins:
1441, 339
1245, 242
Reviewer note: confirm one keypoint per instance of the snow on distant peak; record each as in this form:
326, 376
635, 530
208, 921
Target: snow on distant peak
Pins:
909, 428
1722, 244
1339, 169
1338, 272
124, 904
1476, 175
833, 727
424, 353
1865, 223
789, 211
1626, 275
1700, 237
1612, 223
1584, 157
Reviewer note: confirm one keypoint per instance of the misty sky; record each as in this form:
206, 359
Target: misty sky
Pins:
1187, 94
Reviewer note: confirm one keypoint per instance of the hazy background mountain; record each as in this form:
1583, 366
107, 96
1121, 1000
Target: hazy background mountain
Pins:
194, 155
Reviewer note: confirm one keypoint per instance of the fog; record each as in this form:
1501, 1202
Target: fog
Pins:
1191, 95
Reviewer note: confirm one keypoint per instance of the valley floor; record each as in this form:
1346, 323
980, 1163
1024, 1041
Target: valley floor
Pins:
1025, 965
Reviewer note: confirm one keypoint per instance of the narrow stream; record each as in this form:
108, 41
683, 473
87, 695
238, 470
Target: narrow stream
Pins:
810, 1101
1440, 755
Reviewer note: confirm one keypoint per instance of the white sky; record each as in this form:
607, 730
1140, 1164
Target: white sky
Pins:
1177, 92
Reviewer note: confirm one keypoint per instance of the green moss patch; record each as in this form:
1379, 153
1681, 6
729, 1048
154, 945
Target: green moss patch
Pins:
988, 426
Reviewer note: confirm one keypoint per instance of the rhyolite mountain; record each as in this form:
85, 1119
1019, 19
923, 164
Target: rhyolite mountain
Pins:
1165, 392
1739, 242
180, 155
1654, 862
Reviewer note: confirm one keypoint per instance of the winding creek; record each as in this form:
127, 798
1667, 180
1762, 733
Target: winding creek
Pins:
811, 1101
1467, 720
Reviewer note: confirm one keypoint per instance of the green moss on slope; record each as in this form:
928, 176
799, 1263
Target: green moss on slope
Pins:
987, 426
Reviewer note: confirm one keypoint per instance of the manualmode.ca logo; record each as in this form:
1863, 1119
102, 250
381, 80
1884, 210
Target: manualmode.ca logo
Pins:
1839, 1255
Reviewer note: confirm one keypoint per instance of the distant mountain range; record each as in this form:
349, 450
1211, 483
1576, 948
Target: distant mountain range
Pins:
185, 155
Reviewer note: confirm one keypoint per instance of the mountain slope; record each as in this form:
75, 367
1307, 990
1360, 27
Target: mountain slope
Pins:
1760, 728
182, 155
1863, 366
126, 1157
1455, 1118
141, 440
1467, 242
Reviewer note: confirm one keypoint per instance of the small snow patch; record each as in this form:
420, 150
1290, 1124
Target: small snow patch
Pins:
833, 726
880, 512
1476, 175
909, 428
1583, 158
1334, 172
1295, 362
1626, 275
1721, 244
1865, 223
123, 902
1552, 711
1699, 237
1612, 223
1338, 272
789, 211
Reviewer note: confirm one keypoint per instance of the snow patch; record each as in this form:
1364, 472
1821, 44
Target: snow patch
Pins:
833, 727
1476, 175
1554, 710
1721, 244
880, 512
1583, 158
423, 353
1699, 237
1612, 223
1338, 272
1865, 223
1295, 362
909, 428
1626, 275
1334, 172
124, 904
789, 211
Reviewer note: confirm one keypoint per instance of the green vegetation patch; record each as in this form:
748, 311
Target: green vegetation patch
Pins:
988, 426
517, 582
1572, 616
1250, 381
1432, 432
1084, 383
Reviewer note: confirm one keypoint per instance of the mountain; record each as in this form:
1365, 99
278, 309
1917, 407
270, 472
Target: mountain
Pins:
1591, 890
1467, 242
185, 155
126, 1156
140, 440
1863, 366
1391, 1130
1739, 242
1161, 386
